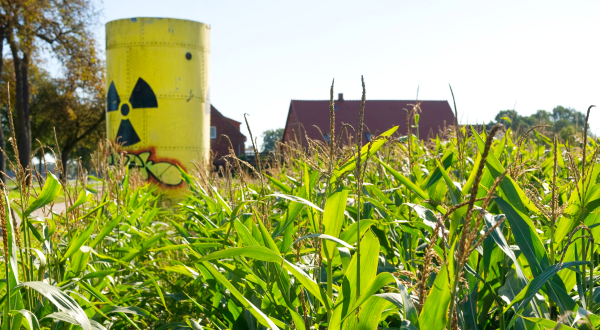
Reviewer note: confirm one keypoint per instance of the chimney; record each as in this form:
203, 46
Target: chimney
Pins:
340, 97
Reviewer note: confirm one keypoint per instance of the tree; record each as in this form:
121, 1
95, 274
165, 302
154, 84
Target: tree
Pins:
63, 28
77, 113
512, 119
564, 121
270, 139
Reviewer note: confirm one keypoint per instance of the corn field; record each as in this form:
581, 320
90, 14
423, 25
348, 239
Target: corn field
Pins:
472, 230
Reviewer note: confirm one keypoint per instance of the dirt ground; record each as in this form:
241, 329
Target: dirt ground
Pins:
57, 208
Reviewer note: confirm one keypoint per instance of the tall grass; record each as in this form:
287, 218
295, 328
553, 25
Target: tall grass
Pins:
471, 230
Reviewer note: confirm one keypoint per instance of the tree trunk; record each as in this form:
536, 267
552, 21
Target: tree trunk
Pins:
22, 106
64, 158
72, 142
25, 119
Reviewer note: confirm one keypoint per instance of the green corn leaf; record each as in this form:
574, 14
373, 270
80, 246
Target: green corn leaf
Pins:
436, 175
297, 319
94, 210
78, 241
34, 231
186, 246
145, 247
255, 252
333, 219
547, 324
260, 316
238, 208
377, 284
194, 325
525, 236
233, 214
469, 184
434, 314
402, 301
532, 248
266, 236
405, 181
48, 194
593, 222
308, 284
345, 257
83, 197
349, 233
331, 239
455, 194
293, 210
30, 321
100, 296
297, 200
98, 274
410, 312
426, 215
62, 301
80, 260
368, 270
410, 185
525, 296
244, 233
586, 315
12, 248
575, 211
285, 188
128, 310
221, 201
498, 237
210, 203
407, 325
64, 317
511, 190
350, 165
49, 229
511, 288
97, 326
376, 192
369, 314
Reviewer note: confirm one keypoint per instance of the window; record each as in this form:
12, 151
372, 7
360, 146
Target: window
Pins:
327, 139
213, 132
368, 135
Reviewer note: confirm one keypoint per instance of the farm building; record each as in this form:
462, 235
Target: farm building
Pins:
220, 125
380, 115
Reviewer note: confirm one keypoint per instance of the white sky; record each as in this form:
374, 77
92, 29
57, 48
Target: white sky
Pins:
537, 54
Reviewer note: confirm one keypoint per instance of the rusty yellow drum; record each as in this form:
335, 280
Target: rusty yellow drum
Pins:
158, 106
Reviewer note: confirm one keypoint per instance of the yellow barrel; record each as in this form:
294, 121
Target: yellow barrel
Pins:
158, 106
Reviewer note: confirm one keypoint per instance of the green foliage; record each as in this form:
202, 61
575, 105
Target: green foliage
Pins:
564, 121
270, 139
283, 252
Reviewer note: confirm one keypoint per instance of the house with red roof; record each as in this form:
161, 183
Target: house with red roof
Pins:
220, 125
311, 118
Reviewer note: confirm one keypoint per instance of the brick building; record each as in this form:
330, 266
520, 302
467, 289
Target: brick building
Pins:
380, 115
219, 125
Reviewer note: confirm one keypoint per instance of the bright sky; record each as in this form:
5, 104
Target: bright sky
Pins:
497, 55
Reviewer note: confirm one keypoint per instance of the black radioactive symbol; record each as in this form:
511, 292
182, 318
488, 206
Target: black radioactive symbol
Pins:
142, 96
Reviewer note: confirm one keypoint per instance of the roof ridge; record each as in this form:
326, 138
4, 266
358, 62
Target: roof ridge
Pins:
345, 100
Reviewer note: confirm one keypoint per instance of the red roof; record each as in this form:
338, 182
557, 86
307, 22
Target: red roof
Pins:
380, 115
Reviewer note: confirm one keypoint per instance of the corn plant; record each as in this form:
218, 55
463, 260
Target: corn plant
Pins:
475, 229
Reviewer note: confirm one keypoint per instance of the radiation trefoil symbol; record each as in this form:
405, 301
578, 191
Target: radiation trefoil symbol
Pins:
142, 96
